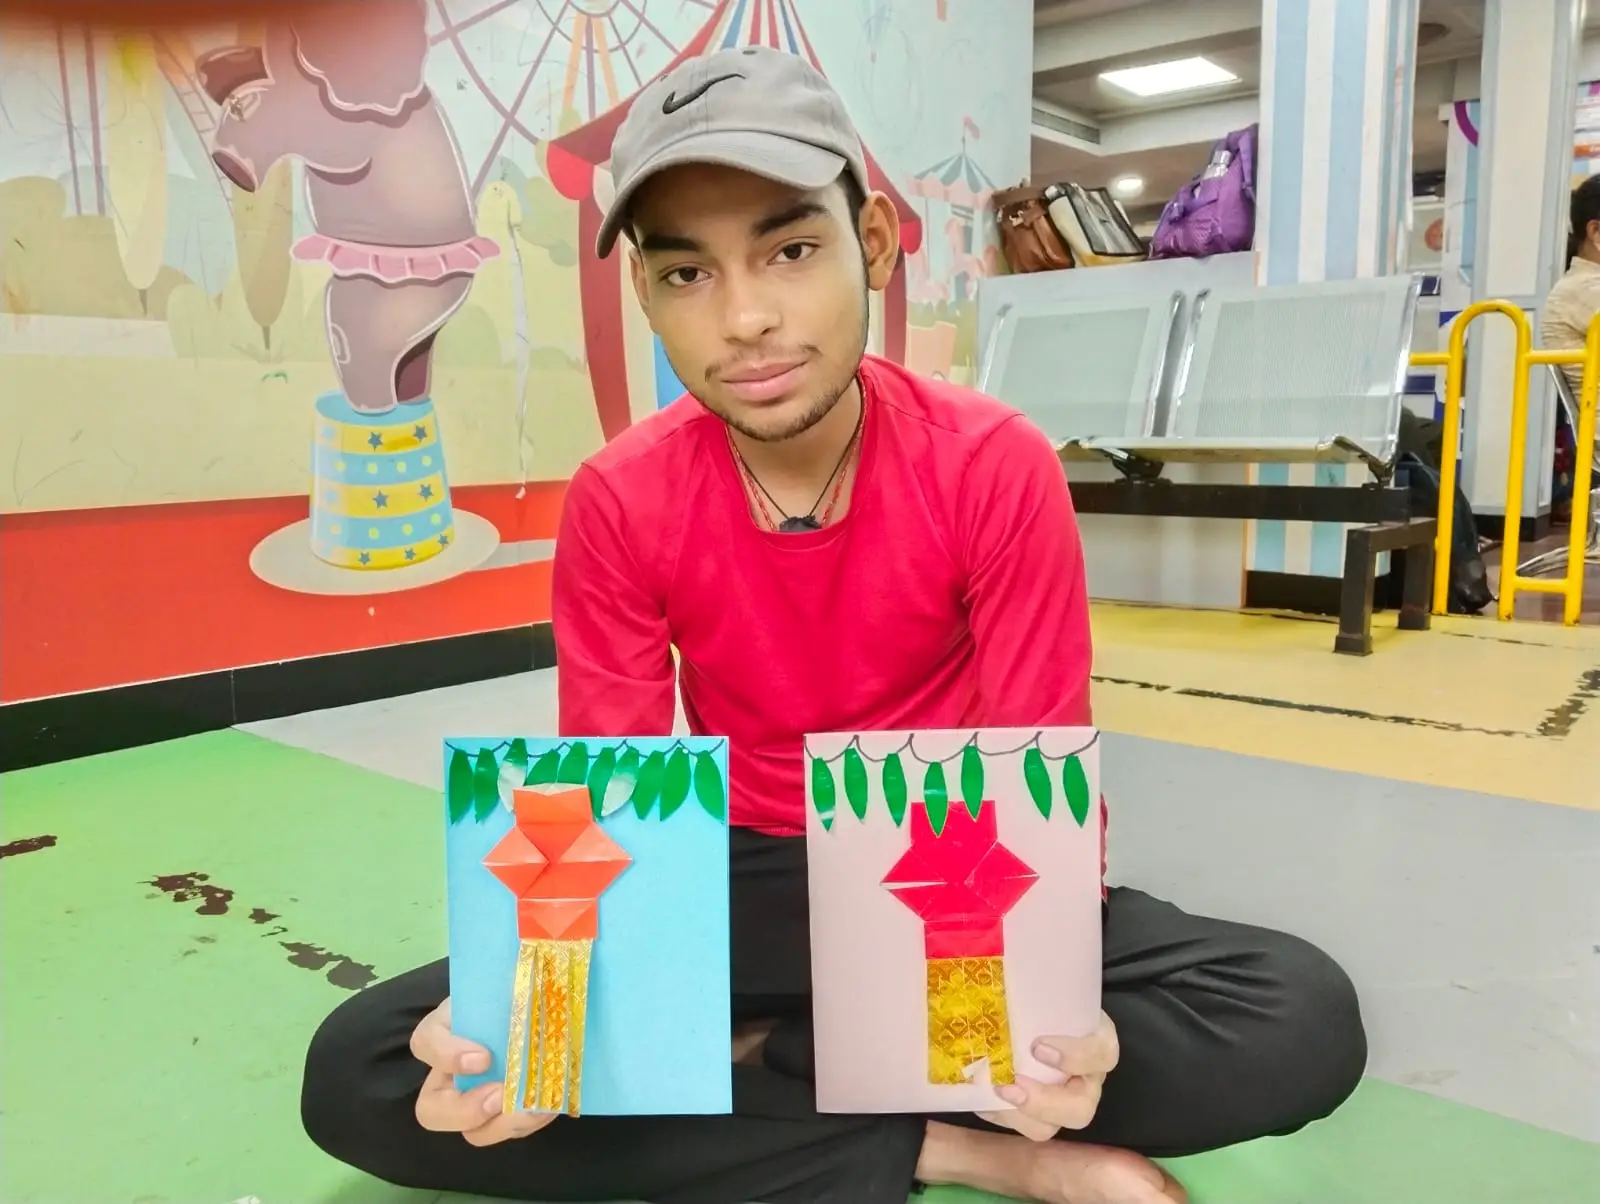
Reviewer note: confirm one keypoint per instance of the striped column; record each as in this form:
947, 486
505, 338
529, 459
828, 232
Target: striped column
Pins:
1524, 179
1334, 191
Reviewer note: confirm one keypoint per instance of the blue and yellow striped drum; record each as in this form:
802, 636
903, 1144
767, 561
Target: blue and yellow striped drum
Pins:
379, 496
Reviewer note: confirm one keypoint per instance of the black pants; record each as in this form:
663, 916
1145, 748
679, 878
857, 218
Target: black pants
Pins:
1227, 1033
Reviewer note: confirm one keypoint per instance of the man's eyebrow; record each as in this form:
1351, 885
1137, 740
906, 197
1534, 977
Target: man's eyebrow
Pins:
798, 212
678, 243
667, 243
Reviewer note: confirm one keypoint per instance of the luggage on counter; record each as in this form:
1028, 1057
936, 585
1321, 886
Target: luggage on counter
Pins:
1028, 239
1216, 213
1093, 226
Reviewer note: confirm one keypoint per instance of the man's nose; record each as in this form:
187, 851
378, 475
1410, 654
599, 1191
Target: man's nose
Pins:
749, 311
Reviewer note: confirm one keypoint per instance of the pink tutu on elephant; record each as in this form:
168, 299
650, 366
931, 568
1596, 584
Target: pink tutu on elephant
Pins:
393, 265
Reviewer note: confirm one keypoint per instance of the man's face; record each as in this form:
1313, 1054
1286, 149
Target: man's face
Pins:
759, 291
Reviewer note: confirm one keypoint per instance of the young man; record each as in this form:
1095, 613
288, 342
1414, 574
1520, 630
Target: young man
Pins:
830, 543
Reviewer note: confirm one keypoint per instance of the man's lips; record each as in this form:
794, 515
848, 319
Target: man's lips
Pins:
763, 382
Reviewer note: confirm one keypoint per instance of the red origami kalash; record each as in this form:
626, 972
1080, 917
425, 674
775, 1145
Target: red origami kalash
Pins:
962, 882
558, 862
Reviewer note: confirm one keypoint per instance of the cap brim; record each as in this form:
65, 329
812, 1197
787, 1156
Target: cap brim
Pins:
797, 164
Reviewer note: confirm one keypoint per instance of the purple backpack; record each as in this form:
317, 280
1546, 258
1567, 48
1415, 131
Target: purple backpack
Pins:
1217, 212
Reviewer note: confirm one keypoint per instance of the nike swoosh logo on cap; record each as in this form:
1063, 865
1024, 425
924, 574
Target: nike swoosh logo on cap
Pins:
672, 103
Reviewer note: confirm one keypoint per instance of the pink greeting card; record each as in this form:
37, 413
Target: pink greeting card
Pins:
955, 910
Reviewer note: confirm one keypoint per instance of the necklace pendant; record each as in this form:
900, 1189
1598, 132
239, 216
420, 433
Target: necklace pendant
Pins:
798, 523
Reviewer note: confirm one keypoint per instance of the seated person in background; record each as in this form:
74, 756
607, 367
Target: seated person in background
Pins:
832, 543
1575, 299
1564, 323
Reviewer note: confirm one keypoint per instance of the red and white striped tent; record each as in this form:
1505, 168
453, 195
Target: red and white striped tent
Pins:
575, 159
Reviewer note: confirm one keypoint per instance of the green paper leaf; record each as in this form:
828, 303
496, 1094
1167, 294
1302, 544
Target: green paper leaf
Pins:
648, 790
485, 785
509, 780
894, 788
600, 771
935, 797
574, 769
1037, 775
1076, 785
458, 785
517, 754
513, 771
822, 797
544, 769
972, 779
855, 782
675, 783
708, 786
624, 779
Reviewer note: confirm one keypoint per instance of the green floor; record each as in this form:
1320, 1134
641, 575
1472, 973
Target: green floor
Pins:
152, 1034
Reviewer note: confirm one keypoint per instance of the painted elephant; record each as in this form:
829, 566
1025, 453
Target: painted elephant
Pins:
340, 85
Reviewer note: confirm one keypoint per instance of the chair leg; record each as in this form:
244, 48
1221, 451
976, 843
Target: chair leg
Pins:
1355, 595
1416, 589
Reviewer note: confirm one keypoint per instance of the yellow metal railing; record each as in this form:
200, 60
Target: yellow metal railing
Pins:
1454, 363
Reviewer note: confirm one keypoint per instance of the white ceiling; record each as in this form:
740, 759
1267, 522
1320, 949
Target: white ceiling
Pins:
1165, 141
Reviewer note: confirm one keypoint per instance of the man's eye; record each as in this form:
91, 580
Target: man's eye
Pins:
683, 277
796, 251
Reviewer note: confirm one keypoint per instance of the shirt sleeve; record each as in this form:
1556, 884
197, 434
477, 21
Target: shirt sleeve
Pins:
1027, 600
614, 668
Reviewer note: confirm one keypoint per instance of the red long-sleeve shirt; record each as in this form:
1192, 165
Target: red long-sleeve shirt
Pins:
950, 595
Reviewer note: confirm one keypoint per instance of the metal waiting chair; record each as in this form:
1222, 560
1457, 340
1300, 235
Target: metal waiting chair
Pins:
1081, 369
1555, 561
1297, 374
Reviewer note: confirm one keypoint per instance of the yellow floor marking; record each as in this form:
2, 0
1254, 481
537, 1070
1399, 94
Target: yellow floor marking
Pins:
1478, 705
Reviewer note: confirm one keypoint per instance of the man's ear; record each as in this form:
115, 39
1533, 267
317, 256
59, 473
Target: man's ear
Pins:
880, 240
641, 286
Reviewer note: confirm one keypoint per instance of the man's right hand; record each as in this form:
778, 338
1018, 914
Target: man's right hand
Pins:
475, 1114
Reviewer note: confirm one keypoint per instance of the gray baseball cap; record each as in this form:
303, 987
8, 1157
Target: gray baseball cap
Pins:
756, 109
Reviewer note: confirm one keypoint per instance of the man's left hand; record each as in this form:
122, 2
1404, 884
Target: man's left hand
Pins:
1044, 1108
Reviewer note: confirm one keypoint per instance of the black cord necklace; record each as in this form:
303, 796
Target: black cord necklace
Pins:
793, 524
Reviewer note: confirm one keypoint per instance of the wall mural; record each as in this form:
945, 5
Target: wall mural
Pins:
332, 268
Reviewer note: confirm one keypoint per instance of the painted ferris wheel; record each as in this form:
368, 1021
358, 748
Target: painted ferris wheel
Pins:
546, 66
539, 66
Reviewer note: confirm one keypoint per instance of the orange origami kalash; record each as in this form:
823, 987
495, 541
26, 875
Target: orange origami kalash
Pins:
558, 862
962, 882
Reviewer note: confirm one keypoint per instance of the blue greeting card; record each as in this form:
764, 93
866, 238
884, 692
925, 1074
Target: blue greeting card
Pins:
588, 902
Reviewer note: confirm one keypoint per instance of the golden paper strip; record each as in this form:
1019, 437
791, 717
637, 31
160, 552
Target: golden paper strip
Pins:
967, 1019
555, 1014
581, 953
520, 1034
550, 1000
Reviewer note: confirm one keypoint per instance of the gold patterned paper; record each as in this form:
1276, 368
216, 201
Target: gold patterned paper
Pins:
555, 1014
581, 953
967, 1019
549, 1002
521, 1013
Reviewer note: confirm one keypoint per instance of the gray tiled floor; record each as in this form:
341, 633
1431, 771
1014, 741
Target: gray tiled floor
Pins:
1471, 923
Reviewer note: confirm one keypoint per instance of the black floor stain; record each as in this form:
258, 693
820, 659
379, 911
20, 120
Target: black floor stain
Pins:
1313, 708
31, 844
1565, 715
1492, 639
186, 888
1481, 636
342, 971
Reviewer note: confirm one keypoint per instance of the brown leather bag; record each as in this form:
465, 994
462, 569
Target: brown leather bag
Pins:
1028, 238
